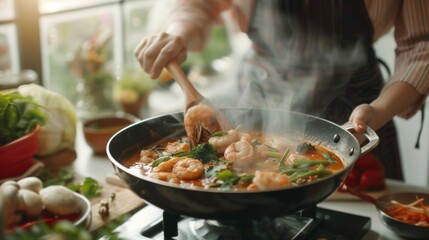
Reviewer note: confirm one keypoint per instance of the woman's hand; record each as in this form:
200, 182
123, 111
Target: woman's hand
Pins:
156, 51
361, 117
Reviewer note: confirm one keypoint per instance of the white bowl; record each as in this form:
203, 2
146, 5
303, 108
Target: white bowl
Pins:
84, 219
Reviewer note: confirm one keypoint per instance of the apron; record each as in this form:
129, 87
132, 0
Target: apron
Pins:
316, 57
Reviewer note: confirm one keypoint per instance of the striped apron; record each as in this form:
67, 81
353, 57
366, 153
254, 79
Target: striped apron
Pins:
315, 57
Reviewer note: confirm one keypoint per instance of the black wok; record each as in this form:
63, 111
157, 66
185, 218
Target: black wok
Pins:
229, 205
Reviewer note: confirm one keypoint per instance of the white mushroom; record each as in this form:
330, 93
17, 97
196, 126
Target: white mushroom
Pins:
31, 183
9, 193
29, 202
60, 200
11, 182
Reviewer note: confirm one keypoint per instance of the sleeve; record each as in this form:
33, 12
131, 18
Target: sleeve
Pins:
201, 14
412, 52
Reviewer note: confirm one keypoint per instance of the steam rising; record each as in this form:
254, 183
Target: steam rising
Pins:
303, 68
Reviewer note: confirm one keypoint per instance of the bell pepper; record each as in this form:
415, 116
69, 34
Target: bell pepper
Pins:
367, 174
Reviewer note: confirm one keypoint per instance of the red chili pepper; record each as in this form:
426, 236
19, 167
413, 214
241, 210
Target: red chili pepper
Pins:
48, 218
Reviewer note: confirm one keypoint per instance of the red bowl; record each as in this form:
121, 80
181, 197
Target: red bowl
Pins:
17, 156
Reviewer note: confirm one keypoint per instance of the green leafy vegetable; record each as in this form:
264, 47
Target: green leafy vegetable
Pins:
211, 172
19, 115
61, 178
59, 131
89, 187
204, 152
220, 133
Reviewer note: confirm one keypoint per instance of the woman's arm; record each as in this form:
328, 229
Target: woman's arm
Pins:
391, 102
408, 87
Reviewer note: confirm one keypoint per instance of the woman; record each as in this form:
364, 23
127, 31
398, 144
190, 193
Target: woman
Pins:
322, 49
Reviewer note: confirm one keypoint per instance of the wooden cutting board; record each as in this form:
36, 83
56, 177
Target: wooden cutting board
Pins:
338, 195
121, 200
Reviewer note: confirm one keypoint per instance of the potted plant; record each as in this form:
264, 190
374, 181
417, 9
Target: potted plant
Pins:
20, 122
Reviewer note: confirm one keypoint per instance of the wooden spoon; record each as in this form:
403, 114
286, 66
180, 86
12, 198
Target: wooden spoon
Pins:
193, 97
201, 119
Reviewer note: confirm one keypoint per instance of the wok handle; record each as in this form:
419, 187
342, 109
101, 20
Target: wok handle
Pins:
370, 135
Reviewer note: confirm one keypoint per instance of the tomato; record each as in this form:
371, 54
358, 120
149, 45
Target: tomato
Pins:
353, 179
372, 179
368, 161
367, 174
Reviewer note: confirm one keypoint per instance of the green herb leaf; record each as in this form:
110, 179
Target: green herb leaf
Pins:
204, 152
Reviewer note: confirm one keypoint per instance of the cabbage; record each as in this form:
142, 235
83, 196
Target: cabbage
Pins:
59, 132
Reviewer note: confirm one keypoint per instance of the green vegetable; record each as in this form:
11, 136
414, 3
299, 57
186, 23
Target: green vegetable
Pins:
89, 187
246, 178
67, 230
226, 175
59, 132
204, 152
220, 133
159, 161
329, 158
211, 172
319, 171
61, 178
283, 159
19, 116
305, 148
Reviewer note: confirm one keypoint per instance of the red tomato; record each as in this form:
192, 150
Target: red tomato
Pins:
372, 179
368, 161
367, 173
353, 179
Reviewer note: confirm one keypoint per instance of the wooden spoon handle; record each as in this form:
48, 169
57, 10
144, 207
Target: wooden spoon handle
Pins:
191, 93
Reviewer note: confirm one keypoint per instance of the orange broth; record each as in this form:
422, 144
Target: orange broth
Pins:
243, 177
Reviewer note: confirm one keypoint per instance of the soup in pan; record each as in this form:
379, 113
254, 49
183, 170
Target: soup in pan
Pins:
236, 160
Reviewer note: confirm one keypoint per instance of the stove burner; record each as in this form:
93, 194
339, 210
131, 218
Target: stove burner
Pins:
288, 227
313, 223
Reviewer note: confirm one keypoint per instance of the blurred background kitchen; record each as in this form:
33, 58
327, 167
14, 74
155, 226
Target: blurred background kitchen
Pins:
83, 49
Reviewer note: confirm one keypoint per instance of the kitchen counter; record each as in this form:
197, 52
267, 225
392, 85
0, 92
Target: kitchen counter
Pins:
99, 167
362, 208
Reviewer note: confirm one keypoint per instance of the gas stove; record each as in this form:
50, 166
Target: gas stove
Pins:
312, 223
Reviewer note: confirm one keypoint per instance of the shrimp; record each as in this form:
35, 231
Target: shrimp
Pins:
244, 137
148, 156
165, 176
200, 122
265, 180
241, 153
220, 143
174, 147
167, 166
189, 169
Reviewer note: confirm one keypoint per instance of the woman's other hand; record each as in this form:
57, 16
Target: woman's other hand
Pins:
361, 117
156, 51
